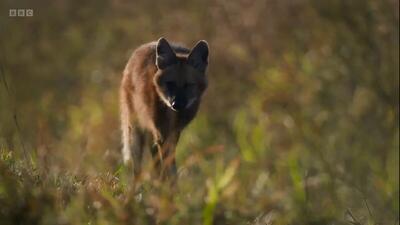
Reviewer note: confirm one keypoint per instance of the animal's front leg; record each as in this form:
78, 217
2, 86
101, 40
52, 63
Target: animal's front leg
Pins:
164, 156
168, 166
169, 170
156, 148
157, 156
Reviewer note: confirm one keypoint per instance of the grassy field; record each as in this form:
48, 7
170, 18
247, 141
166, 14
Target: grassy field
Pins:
299, 123
210, 190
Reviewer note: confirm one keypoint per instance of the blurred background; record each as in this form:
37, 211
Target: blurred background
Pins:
299, 124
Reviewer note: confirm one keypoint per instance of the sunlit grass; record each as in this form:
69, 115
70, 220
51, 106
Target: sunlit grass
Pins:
219, 194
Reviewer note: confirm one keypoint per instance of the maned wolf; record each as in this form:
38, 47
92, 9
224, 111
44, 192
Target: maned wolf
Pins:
160, 93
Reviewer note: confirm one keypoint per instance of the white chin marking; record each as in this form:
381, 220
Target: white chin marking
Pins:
166, 101
168, 104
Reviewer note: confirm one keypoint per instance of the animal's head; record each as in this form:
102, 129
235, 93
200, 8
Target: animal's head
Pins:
180, 79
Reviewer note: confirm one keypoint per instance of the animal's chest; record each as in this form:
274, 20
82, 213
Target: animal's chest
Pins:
167, 119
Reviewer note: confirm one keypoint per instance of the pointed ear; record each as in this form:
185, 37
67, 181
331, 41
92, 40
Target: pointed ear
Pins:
165, 56
198, 57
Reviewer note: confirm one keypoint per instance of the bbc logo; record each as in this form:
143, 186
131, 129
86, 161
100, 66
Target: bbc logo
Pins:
20, 12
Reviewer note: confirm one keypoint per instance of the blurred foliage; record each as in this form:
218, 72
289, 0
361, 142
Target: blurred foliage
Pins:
298, 126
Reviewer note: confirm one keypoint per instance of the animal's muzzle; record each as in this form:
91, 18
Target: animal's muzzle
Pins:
178, 103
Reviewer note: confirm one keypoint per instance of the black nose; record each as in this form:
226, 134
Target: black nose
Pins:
178, 104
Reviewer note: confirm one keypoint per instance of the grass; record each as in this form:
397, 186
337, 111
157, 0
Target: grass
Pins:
30, 194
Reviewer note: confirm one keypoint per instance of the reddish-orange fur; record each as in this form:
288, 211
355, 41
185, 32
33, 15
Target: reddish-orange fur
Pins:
147, 118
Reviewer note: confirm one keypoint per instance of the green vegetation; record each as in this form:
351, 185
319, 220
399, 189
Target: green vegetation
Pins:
299, 124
